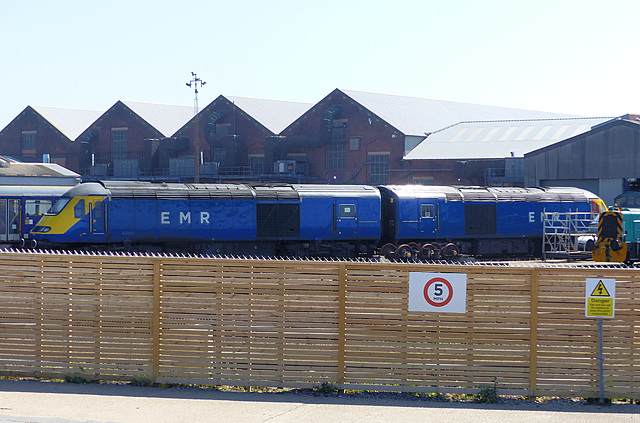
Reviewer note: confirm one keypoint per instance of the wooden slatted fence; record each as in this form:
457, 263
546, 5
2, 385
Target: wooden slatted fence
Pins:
300, 323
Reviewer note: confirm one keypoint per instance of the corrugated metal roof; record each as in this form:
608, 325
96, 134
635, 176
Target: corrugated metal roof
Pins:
497, 139
417, 116
275, 115
71, 122
166, 118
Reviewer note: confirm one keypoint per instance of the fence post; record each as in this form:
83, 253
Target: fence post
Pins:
342, 323
155, 365
40, 316
533, 356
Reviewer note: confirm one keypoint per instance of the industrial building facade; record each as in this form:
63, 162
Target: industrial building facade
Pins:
348, 137
604, 160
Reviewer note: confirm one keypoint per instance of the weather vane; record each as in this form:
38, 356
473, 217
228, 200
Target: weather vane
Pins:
194, 82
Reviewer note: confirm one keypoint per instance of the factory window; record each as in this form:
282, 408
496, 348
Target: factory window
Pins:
378, 168
256, 164
119, 138
347, 210
427, 211
337, 153
29, 140
354, 143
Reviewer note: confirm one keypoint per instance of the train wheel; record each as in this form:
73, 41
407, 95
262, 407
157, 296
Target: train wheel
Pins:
415, 250
404, 252
437, 251
428, 252
450, 251
388, 251
590, 245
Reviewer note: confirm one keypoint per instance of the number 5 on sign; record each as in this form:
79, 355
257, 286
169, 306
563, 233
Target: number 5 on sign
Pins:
439, 292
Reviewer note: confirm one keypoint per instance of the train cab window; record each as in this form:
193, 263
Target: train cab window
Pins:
427, 211
36, 208
59, 205
78, 209
347, 210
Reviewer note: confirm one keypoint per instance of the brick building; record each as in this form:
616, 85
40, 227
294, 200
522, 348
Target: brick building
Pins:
46, 134
359, 137
230, 134
124, 141
347, 137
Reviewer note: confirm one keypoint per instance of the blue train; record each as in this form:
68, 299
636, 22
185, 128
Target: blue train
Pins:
403, 222
21, 207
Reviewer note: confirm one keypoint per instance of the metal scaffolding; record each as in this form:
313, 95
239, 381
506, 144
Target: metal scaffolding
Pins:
567, 235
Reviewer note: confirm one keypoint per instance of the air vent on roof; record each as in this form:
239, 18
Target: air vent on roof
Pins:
475, 194
276, 193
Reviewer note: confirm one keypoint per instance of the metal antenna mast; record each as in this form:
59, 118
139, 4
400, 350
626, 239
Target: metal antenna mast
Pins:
196, 148
194, 82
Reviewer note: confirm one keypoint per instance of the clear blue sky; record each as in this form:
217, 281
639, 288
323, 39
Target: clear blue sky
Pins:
574, 56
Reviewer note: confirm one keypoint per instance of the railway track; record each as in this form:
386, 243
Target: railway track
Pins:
459, 262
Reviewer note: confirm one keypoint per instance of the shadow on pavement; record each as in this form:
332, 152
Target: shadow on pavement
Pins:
304, 397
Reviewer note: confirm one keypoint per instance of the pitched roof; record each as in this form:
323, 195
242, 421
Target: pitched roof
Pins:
275, 115
632, 121
71, 122
166, 118
420, 116
497, 139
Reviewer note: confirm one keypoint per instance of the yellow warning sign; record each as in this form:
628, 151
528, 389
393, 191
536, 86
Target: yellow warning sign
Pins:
600, 290
600, 298
599, 307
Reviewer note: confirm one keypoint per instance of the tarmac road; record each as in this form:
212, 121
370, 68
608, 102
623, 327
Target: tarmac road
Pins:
49, 402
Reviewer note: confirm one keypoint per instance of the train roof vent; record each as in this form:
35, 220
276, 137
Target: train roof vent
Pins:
562, 196
453, 196
265, 193
511, 196
180, 191
477, 194
220, 192
516, 194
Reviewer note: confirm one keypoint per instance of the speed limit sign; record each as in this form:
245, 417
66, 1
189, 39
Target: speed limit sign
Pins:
439, 292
